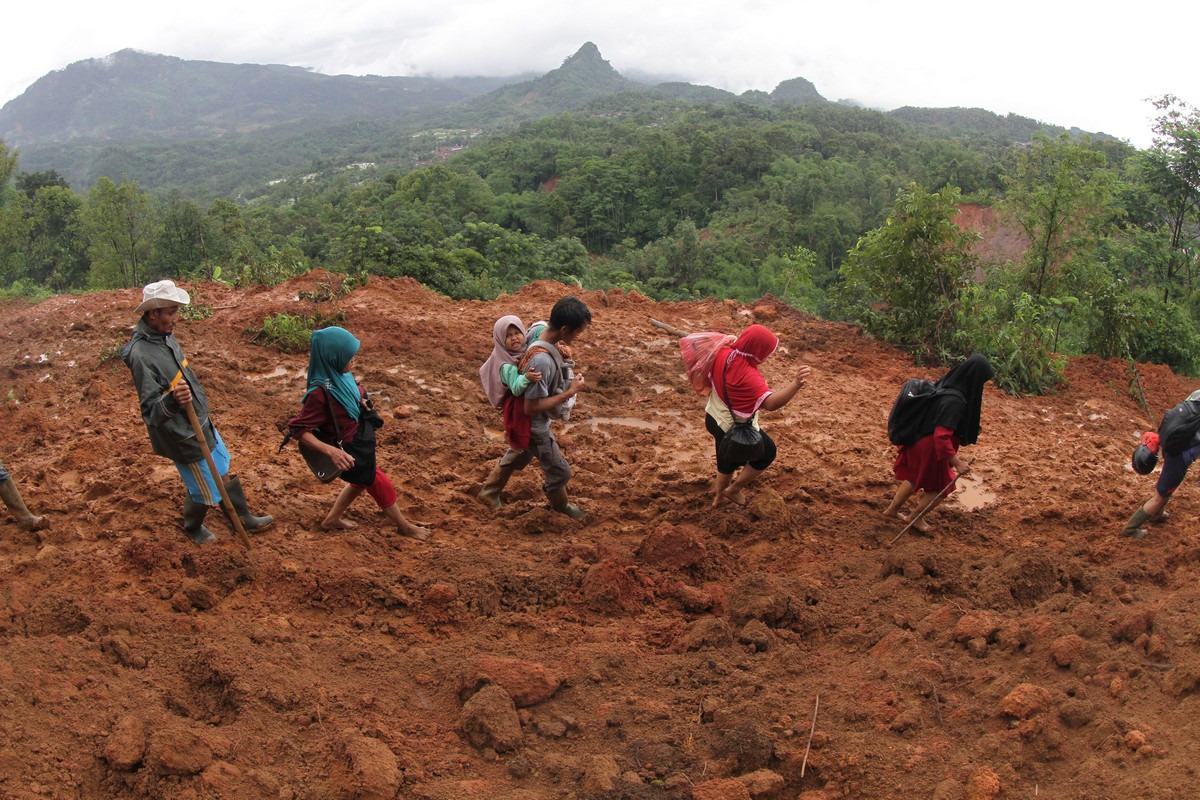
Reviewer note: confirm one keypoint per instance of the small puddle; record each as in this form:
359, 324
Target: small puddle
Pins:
972, 496
629, 422
278, 372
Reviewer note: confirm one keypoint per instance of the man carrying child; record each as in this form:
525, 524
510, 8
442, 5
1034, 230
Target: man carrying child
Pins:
542, 401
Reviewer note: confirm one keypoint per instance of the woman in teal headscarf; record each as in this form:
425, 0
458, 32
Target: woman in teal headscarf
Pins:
338, 419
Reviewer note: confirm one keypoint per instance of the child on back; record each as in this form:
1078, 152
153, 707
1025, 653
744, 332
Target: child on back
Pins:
527, 421
500, 373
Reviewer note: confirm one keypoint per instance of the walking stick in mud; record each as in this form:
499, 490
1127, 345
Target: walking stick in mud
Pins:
671, 329
929, 506
226, 503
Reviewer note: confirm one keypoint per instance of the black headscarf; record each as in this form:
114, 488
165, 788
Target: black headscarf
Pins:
960, 398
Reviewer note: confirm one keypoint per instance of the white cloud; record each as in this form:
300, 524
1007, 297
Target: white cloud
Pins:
1090, 66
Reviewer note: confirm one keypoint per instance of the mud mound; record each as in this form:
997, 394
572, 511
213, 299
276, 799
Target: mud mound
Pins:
660, 648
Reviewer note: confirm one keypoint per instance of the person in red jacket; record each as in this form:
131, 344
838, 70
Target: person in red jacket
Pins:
740, 391
930, 465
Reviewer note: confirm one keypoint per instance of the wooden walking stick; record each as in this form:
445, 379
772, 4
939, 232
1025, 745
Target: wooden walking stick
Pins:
226, 503
671, 329
929, 506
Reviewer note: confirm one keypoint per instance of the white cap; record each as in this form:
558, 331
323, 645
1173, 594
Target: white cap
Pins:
161, 294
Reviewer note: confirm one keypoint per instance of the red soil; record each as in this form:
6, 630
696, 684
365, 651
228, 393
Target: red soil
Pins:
999, 242
658, 649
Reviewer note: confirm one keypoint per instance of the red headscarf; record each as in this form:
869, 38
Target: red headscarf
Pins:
735, 372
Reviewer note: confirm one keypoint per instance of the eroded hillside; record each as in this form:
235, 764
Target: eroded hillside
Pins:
658, 649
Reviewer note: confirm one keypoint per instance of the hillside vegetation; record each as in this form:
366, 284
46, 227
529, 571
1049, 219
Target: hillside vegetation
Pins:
842, 212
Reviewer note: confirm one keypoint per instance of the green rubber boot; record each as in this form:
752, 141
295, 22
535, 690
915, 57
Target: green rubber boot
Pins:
489, 493
237, 496
558, 501
193, 522
1133, 529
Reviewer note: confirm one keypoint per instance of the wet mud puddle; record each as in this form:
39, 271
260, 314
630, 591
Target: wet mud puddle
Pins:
972, 495
278, 372
629, 422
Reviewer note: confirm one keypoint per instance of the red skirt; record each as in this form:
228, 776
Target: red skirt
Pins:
921, 465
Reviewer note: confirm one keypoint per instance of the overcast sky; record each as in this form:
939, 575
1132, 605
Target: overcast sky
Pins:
1073, 64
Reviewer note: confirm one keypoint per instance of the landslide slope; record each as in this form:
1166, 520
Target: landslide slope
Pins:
658, 649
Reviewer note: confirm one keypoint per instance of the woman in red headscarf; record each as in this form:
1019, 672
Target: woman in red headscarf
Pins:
739, 389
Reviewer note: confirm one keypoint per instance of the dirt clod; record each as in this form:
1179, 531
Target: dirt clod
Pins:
178, 751
506, 655
127, 744
489, 719
1025, 701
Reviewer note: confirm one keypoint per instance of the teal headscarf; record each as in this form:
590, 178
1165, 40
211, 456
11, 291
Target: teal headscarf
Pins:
328, 357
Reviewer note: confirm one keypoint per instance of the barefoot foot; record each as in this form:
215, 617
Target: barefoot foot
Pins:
922, 526
737, 497
414, 531
338, 525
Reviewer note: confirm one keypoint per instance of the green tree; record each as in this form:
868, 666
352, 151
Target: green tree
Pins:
602, 196
57, 251
1164, 333
14, 239
364, 248
564, 259
121, 229
793, 277
180, 247
8, 168
1014, 332
227, 232
452, 196
1058, 193
902, 280
1171, 171
30, 182
507, 259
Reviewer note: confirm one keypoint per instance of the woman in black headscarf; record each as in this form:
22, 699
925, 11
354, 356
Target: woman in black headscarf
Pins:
951, 422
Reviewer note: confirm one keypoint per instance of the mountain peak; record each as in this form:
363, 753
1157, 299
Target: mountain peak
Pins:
588, 52
589, 67
797, 92
582, 78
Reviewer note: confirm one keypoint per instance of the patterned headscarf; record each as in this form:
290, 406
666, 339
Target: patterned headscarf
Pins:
489, 373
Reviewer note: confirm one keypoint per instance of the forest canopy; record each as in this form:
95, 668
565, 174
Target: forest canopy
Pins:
841, 212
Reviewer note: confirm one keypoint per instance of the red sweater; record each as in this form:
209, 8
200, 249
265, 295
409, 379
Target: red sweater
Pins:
314, 414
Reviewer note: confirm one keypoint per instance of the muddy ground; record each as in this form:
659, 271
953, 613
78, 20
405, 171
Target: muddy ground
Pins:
659, 649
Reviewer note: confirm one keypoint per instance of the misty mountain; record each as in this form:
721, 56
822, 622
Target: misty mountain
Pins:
974, 121
215, 129
582, 78
135, 96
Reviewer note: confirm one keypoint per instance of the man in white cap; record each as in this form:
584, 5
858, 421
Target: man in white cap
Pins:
166, 385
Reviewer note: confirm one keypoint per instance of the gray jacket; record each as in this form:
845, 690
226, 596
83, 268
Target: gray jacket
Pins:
156, 361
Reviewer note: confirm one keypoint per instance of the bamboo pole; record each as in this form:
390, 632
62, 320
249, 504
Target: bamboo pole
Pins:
212, 466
